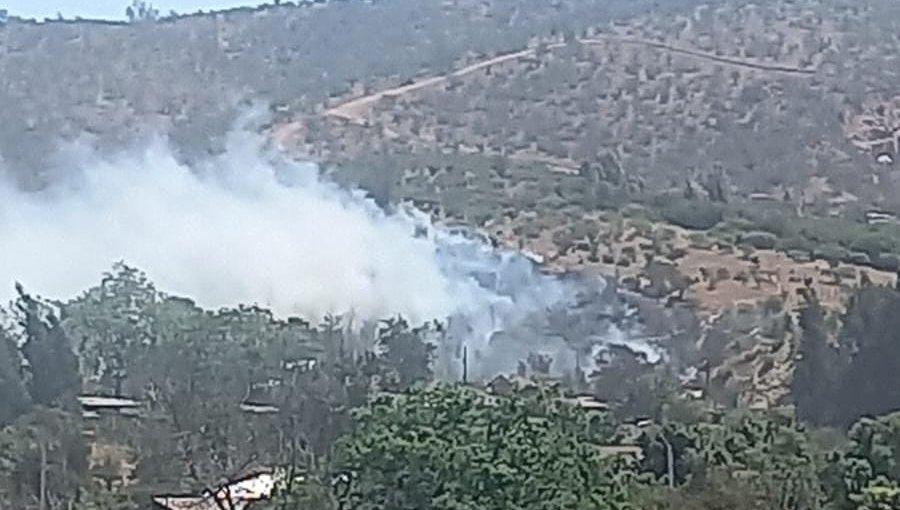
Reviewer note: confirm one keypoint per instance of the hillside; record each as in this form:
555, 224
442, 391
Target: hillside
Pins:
184, 75
771, 95
657, 265
760, 124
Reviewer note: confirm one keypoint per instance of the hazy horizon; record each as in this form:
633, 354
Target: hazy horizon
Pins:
110, 9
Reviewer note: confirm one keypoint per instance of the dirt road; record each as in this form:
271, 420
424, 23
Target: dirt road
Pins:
354, 109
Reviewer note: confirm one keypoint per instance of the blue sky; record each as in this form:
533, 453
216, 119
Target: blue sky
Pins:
110, 9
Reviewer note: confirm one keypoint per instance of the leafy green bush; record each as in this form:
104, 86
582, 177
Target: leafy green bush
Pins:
775, 222
872, 243
759, 240
830, 253
693, 215
452, 447
886, 262
859, 258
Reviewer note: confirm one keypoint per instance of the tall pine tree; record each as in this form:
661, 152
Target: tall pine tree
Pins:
14, 399
51, 362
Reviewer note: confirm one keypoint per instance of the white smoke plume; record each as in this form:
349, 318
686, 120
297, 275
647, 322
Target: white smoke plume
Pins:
249, 227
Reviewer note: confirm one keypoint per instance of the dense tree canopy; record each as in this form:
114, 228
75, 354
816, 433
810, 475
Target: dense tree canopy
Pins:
452, 448
847, 373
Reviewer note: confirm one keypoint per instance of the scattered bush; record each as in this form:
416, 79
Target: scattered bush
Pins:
871, 243
563, 241
858, 258
677, 253
699, 240
773, 305
886, 262
846, 272
693, 215
796, 244
641, 225
799, 255
667, 234
830, 253
759, 240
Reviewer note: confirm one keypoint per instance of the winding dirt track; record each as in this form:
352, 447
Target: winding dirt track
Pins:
730, 61
351, 110
354, 109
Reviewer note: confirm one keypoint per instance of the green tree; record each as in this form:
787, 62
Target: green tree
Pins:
14, 399
838, 381
695, 214
98, 497
406, 355
865, 474
772, 456
818, 365
453, 448
52, 364
141, 11
113, 325
43, 460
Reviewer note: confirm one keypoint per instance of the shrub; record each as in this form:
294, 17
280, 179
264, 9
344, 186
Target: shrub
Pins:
759, 240
667, 234
871, 243
859, 258
677, 253
642, 226
799, 255
773, 221
798, 244
830, 253
698, 240
887, 262
692, 214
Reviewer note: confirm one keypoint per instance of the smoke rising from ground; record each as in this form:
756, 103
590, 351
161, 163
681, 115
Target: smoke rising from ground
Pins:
249, 227
239, 229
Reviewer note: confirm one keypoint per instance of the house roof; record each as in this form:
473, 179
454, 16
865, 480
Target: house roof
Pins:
588, 402
256, 408
101, 402
184, 503
241, 493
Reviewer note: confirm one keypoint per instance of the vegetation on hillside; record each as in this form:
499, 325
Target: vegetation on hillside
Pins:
361, 424
717, 161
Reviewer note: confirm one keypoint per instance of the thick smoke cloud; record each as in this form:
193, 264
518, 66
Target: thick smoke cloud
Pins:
238, 229
249, 227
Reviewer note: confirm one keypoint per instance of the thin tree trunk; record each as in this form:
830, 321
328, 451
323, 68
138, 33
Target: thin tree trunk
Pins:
43, 482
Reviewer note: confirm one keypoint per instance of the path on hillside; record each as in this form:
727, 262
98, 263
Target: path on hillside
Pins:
353, 110
732, 61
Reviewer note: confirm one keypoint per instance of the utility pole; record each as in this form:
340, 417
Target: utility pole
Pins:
43, 477
465, 365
